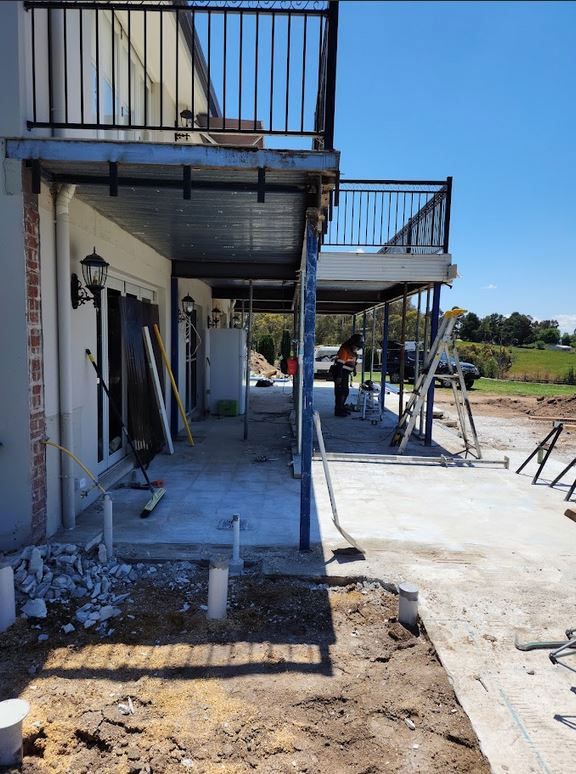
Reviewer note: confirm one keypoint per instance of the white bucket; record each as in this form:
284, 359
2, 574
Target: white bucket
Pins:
12, 713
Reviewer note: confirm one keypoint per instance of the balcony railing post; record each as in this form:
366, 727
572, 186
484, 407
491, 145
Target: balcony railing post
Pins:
447, 214
330, 104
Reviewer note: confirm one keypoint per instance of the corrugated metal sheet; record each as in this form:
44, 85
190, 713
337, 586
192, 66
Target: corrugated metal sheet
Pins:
213, 225
354, 269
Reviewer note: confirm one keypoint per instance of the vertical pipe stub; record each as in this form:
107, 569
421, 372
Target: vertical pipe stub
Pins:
12, 713
408, 604
217, 589
108, 526
7, 598
236, 563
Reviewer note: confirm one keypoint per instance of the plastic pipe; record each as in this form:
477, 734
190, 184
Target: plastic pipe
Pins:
408, 604
108, 528
12, 713
217, 589
236, 564
63, 198
7, 598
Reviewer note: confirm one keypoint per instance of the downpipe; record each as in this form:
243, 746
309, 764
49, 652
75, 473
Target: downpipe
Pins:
63, 198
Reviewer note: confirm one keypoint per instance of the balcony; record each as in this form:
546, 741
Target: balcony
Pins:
202, 73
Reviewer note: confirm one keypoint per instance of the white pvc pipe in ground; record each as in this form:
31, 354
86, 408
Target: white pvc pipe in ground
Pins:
236, 563
218, 589
12, 713
7, 598
108, 529
408, 604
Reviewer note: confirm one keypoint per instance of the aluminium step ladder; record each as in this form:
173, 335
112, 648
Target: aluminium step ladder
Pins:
443, 345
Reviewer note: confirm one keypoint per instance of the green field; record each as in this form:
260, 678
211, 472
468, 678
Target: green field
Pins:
540, 365
509, 387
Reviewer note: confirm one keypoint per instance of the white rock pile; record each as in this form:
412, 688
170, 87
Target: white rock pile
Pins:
64, 573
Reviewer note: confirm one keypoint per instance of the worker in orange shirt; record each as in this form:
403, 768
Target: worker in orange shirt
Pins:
344, 366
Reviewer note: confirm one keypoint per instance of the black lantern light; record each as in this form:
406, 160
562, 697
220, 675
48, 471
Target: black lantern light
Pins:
94, 274
214, 318
188, 304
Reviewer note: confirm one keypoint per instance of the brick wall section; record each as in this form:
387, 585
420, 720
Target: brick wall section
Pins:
35, 360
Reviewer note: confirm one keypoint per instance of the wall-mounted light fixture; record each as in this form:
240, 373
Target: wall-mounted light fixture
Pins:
214, 318
185, 313
94, 274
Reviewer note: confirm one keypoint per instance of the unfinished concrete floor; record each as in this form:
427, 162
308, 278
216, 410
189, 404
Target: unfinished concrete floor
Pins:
492, 555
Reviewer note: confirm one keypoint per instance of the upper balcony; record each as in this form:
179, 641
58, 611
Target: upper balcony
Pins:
235, 73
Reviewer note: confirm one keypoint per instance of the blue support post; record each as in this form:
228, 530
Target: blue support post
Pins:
384, 355
308, 384
433, 333
174, 305
363, 369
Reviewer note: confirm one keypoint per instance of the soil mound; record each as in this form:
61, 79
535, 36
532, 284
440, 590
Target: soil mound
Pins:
259, 365
558, 407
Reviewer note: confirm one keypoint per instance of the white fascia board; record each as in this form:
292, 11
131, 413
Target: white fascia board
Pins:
207, 156
384, 267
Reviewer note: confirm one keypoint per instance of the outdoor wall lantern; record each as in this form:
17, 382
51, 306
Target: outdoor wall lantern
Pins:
185, 313
214, 318
94, 274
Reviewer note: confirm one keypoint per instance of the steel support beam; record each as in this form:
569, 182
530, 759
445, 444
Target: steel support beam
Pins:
435, 317
308, 381
384, 355
174, 307
234, 270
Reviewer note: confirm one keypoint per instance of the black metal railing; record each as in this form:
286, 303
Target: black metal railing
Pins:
254, 68
391, 215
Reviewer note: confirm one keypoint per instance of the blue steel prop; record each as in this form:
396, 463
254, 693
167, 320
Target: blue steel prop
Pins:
308, 382
433, 333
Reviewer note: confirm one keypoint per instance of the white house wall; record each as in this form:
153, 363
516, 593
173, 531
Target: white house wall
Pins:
131, 261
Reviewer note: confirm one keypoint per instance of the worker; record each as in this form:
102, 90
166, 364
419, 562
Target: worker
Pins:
344, 366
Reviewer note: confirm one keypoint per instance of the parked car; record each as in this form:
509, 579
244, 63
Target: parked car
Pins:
469, 370
324, 357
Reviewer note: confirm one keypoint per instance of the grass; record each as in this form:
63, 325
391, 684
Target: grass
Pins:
541, 364
507, 387
534, 389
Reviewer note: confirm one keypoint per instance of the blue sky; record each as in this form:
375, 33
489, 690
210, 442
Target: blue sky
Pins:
483, 91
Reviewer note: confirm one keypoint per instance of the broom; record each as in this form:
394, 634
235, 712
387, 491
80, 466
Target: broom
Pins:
157, 494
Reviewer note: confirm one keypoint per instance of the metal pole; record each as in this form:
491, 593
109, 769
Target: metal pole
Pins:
433, 333
447, 215
174, 351
363, 371
308, 384
402, 352
417, 341
384, 356
372, 343
248, 351
331, 75
425, 348
300, 360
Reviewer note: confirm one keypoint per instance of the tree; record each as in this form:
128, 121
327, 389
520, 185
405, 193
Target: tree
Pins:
549, 335
517, 329
567, 340
491, 328
469, 329
267, 349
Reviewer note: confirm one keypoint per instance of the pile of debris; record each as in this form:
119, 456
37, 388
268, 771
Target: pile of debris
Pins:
61, 574
261, 367
557, 407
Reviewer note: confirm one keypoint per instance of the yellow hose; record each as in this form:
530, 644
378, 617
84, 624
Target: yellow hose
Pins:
88, 472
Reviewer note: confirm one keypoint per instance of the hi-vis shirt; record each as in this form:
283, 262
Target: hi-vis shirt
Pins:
347, 358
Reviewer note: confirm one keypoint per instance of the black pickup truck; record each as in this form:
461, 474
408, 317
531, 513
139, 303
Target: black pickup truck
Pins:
469, 370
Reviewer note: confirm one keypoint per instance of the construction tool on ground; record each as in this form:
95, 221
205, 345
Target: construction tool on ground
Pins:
559, 649
369, 400
543, 451
157, 494
443, 346
335, 517
173, 383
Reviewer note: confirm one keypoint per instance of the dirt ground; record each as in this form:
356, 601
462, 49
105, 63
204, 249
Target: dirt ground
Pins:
559, 407
300, 678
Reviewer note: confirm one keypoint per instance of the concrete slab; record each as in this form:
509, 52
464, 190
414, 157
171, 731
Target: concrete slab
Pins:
492, 555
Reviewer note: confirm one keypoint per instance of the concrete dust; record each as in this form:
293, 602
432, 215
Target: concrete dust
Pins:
301, 677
